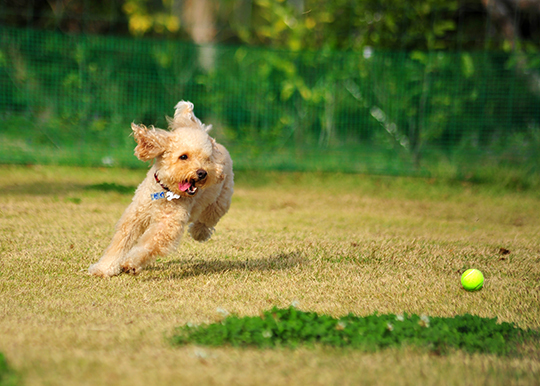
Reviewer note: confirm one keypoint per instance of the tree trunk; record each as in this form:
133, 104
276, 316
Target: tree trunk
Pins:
198, 16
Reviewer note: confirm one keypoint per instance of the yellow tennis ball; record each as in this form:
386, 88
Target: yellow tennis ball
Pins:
472, 280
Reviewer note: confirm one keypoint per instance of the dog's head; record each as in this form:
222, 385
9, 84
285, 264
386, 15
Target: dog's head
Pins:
186, 157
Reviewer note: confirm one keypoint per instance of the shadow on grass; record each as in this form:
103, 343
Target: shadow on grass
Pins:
182, 269
57, 189
112, 187
40, 189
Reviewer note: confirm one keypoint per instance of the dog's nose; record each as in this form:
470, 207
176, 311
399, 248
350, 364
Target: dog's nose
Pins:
201, 174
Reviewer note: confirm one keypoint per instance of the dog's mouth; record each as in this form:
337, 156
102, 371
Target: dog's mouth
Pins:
188, 187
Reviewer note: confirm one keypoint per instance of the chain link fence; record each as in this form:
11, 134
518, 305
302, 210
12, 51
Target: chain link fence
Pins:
70, 99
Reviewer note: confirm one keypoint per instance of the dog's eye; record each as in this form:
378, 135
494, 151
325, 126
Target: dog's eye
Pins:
183, 157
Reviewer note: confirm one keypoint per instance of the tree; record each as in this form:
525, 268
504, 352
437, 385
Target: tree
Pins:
519, 22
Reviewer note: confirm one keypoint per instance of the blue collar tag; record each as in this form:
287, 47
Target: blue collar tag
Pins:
169, 195
157, 196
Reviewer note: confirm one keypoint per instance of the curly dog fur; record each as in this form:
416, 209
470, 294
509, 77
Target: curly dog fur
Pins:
190, 182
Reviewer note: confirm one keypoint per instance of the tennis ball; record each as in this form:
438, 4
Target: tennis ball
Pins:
472, 280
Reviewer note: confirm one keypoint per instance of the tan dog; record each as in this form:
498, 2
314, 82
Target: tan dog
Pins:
190, 182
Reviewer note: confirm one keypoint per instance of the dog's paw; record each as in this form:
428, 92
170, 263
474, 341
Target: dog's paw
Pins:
98, 270
132, 270
200, 232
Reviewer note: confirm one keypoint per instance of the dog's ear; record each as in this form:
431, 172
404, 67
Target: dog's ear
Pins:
220, 174
217, 157
215, 148
150, 142
184, 117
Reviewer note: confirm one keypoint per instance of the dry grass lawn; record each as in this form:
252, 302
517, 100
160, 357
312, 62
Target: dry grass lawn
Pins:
334, 244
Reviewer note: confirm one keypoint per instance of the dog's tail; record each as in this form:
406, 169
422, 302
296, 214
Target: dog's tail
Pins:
183, 116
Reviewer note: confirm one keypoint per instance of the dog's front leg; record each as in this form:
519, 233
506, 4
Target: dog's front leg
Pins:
161, 236
202, 228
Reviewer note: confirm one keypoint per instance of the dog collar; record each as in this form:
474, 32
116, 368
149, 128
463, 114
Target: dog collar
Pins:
168, 195
159, 182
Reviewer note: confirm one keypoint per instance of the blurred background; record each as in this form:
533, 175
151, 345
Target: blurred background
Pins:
442, 88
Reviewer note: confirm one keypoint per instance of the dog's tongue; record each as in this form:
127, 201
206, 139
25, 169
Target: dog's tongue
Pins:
184, 186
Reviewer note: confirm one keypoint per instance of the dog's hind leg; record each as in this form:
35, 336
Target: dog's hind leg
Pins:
125, 236
162, 235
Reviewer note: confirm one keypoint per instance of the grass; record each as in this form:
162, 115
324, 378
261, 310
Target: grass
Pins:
7, 376
332, 244
289, 327
508, 170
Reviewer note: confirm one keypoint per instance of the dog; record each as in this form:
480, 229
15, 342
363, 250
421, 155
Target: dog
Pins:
190, 183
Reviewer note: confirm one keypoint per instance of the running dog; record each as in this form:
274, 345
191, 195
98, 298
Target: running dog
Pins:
190, 183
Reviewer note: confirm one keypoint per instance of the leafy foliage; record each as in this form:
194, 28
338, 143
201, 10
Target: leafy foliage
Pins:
353, 25
292, 24
81, 94
291, 327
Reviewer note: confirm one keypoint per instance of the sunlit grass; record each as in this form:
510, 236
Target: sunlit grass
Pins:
332, 244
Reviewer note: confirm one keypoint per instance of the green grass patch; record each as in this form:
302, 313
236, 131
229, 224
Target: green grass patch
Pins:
8, 377
290, 327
